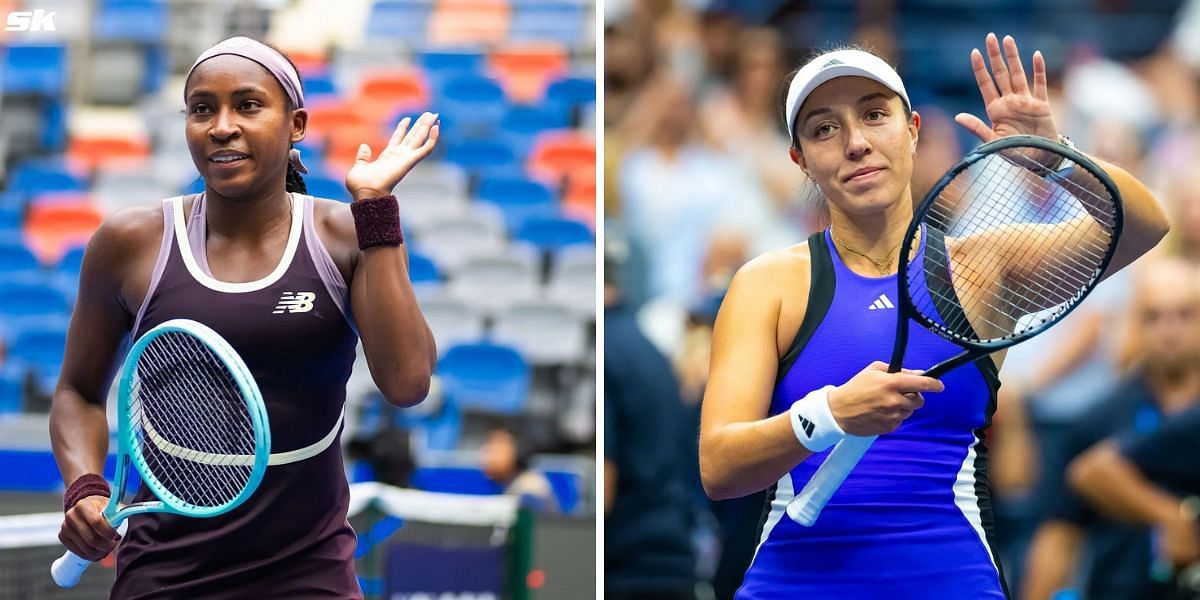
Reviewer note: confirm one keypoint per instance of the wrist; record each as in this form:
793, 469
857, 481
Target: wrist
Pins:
813, 422
89, 484
377, 222
361, 194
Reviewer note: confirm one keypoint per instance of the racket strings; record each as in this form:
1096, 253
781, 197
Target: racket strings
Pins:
1057, 230
192, 426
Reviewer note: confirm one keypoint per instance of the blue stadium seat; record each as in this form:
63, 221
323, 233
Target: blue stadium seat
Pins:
484, 376
521, 125
570, 92
439, 430
42, 350
71, 262
326, 187
319, 86
38, 70
12, 213
12, 383
15, 257
482, 157
454, 480
554, 234
518, 199
26, 298
403, 19
142, 21
474, 104
36, 176
421, 269
548, 20
566, 488
443, 66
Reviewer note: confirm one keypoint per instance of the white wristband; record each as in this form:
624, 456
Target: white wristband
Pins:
813, 422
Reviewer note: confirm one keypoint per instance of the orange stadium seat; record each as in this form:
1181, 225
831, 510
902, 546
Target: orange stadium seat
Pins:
86, 154
343, 146
326, 120
384, 93
580, 200
52, 229
526, 72
466, 22
559, 154
308, 61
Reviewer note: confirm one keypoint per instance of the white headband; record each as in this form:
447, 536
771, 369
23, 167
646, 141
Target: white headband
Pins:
843, 63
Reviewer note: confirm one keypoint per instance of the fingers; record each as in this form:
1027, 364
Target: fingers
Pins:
86, 532
987, 87
1039, 77
419, 134
363, 155
399, 132
1020, 84
907, 383
975, 126
999, 69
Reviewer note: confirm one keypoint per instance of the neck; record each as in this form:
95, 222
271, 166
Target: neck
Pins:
877, 235
247, 218
1176, 385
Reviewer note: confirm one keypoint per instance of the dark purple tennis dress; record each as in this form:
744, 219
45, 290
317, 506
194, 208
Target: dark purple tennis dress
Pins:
293, 328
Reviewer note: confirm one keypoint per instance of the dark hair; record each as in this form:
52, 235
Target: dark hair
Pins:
814, 55
293, 181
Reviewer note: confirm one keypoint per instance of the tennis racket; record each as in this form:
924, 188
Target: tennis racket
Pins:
192, 422
1010, 248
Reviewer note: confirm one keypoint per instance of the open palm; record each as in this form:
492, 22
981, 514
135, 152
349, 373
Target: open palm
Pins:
1012, 106
373, 178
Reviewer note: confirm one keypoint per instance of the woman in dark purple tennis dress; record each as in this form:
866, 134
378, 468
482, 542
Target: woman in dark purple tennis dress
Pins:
291, 281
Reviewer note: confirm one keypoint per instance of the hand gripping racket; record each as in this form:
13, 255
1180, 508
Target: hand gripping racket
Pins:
192, 421
1010, 247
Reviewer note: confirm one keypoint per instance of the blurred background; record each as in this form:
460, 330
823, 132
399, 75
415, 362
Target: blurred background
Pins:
698, 181
502, 252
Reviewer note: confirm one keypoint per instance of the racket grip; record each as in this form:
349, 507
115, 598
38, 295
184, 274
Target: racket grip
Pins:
806, 506
67, 570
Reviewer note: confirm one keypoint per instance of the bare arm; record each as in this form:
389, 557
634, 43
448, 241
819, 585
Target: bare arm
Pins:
1051, 559
398, 343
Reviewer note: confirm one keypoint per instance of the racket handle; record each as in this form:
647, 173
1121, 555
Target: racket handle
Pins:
806, 506
67, 570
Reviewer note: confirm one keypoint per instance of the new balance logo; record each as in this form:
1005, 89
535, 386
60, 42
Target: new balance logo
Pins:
832, 63
295, 302
881, 302
806, 425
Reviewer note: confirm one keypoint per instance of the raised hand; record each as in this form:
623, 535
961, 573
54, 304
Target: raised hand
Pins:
373, 178
1011, 105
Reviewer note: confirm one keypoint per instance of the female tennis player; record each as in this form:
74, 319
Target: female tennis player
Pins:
913, 520
290, 281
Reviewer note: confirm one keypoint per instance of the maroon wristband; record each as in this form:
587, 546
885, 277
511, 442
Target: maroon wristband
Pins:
90, 484
377, 222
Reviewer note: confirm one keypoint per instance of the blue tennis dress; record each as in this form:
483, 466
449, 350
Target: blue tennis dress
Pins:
914, 519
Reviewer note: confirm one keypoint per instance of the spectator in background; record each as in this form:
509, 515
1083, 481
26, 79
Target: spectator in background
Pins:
1183, 196
1163, 351
505, 457
648, 519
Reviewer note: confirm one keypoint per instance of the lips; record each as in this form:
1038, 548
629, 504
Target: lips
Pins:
862, 173
225, 157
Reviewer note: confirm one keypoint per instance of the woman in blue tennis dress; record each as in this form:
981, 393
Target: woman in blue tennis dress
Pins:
799, 344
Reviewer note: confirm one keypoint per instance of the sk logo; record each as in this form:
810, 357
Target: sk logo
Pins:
295, 302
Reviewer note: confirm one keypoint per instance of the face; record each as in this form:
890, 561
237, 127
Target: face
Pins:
238, 128
499, 456
1167, 315
856, 143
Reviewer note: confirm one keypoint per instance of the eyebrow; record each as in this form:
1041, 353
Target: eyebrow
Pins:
242, 91
819, 111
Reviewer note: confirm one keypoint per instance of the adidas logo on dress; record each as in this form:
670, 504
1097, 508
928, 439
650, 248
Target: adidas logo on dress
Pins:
881, 302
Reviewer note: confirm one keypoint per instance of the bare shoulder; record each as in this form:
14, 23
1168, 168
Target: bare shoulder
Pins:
776, 270
774, 287
335, 227
128, 232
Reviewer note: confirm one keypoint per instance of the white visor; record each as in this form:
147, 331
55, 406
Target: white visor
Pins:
843, 63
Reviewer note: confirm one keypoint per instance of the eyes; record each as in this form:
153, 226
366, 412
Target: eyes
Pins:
201, 108
824, 129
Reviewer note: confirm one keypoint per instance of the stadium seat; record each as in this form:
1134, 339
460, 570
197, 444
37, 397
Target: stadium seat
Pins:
566, 486
439, 429
51, 229
327, 120
490, 284
559, 21
483, 158
38, 176
458, 22
454, 480
573, 279
554, 234
86, 154
570, 92
452, 322
545, 332
16, 257
558, 154
38, 70
471, 106
71, 262
118, 73
579, 202
142, 21
525, 73
12, 383
404, 19
319, 88
326, 187
521, 125
451, 242
518, 199
31, 298
486, 377
422, 269
42, 350
445, 65
118, 188
385, 93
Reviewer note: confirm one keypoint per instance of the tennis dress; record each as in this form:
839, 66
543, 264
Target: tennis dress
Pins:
293, 328
913, 520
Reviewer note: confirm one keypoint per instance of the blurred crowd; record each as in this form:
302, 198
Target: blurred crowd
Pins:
698, 181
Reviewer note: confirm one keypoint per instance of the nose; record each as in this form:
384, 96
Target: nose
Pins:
857, 145
224, 126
